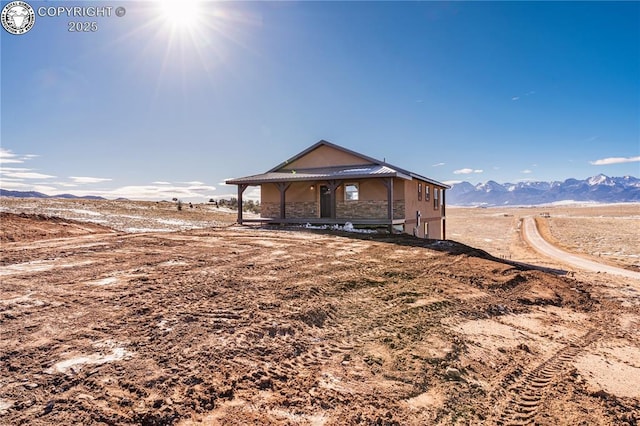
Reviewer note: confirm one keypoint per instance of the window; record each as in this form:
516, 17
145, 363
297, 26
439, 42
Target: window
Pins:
419, 191
426, 192
351, 192
436, 193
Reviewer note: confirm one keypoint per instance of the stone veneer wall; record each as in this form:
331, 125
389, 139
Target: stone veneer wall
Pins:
344, 210
292, 210
398, 209
372, 209
268, 209
301, 209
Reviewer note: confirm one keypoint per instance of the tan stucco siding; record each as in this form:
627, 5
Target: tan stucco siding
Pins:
300, 200
269, 193
269, 200
301, 191
325, 156
428, 214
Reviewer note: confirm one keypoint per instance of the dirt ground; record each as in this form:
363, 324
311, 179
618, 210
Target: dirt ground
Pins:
228, 325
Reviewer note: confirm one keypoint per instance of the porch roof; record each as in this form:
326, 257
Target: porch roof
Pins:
325, 173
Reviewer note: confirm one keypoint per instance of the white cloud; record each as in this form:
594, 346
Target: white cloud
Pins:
614, 160
526, 171
86, 179
27, 175
65, 184
20, 186
151, 192
437, 165
160, 182
251, 193
194, 182
8, 157
466, 171
4, 170
529, 93
452, 182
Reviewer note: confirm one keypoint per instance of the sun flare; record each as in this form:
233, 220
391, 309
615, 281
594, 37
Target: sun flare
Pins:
180, 13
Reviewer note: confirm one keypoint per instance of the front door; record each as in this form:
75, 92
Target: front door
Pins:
325, 201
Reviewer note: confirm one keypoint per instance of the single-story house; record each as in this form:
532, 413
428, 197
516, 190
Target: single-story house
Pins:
329, 184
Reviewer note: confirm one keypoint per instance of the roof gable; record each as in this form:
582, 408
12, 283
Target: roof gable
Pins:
324, 154
324, 160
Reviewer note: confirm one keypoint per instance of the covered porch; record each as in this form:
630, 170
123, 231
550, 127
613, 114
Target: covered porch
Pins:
316, 197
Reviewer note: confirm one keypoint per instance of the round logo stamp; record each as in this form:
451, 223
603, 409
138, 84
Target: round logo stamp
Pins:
18, 17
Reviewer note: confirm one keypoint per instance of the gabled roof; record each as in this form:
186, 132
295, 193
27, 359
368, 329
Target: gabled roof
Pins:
325, 173
373, 168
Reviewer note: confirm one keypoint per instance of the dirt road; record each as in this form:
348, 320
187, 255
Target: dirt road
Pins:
531, 234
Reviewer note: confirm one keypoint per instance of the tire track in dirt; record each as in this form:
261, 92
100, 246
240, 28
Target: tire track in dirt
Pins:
529, 393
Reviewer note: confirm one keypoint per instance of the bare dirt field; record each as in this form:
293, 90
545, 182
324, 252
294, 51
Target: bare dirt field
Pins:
107, 318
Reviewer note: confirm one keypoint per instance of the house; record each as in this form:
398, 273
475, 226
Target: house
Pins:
329, 184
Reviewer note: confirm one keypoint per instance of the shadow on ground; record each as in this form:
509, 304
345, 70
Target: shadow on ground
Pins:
451, 247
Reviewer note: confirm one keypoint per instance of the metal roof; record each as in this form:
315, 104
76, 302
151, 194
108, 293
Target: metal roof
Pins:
325, 173
378, 169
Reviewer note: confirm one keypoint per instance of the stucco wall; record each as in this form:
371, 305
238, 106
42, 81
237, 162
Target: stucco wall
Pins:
425, 206
325, 156
269, 194
300, 199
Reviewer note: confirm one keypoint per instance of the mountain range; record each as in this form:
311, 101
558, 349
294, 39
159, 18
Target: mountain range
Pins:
599, 188
35, 194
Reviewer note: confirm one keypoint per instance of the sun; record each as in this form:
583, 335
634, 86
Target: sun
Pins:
180, 14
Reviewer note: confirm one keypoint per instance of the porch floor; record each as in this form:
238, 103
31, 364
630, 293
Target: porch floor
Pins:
325, 221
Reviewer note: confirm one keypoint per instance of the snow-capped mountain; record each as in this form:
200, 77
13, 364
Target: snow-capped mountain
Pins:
600, 188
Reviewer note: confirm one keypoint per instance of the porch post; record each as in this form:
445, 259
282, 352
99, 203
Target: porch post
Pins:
333, 185
241, 188
389, 184
444, 215
282, 187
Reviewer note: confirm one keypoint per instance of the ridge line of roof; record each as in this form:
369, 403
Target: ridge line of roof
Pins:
357, 154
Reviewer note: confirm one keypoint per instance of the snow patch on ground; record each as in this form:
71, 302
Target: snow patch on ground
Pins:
348, 227
77, 211
75, 364
37, 266
104, 281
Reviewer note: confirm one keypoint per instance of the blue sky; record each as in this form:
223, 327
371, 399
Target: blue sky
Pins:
157, 104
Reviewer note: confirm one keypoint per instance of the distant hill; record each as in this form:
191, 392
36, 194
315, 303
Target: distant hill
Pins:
600, 188
34, 194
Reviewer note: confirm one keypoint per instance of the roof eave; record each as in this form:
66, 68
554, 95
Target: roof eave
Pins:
254, 180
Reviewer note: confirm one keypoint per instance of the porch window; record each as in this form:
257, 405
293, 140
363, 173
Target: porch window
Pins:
436, 193
419, 191
426, 192
351, 192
